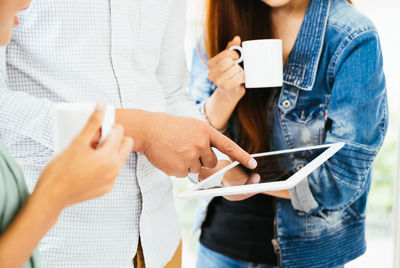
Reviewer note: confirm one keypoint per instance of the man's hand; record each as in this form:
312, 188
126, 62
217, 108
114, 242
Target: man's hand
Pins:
178, 145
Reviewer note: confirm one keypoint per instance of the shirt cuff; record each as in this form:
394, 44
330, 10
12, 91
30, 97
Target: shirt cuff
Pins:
302, 198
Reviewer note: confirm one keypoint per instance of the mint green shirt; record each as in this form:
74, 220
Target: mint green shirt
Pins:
13, 194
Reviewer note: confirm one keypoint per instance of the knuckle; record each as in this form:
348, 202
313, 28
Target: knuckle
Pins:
229, 147
205, 144
235, 54
225, 62
230, 85
193, 154
238, 69
237, 80
205, 128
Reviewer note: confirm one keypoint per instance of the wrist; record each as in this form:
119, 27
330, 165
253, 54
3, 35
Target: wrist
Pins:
135, 123
220, 106
231, 96
214, 121
50, 201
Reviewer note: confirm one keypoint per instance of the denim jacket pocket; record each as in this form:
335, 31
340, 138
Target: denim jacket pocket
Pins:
304, 125
323, 220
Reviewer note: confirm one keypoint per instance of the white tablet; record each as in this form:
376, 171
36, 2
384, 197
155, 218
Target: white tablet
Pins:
276, 170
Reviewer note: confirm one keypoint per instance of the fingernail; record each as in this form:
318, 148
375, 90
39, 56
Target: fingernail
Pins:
101, 105
255, 178
252, 163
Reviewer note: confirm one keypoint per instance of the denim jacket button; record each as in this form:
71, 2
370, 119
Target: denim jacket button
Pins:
299, 166
286, 103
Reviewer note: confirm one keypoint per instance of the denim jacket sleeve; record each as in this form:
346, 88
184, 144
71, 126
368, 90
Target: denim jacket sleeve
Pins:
200, 86
357, 115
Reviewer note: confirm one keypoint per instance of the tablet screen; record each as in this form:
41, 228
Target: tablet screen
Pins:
279, 167
271, 168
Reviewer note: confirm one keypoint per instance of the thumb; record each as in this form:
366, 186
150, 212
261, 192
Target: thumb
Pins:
254, 178
236, 41
94, 123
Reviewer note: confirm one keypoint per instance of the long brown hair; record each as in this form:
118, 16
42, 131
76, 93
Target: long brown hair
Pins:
248, 19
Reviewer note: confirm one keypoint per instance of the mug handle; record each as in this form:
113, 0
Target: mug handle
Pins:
240, 49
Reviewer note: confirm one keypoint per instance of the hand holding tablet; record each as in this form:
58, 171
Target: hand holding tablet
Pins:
278, 170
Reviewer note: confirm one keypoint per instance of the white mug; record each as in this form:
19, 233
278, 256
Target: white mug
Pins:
262, 62
70, 119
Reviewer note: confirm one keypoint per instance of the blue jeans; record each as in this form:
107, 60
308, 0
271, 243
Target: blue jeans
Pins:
207, 258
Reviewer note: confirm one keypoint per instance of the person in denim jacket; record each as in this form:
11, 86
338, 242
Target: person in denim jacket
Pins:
333, 91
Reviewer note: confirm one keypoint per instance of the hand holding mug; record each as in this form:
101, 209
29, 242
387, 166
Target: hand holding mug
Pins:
84, 171
262, 62
225, 73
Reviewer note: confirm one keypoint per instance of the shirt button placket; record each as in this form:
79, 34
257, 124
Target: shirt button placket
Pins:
120, 45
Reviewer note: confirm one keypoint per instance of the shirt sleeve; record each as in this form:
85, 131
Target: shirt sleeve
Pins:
172, 70
358, 116
24, 118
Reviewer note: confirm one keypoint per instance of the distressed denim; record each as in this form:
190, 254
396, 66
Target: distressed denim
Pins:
334, 91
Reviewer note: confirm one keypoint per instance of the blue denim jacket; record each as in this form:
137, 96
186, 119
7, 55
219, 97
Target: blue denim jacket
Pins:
333, 91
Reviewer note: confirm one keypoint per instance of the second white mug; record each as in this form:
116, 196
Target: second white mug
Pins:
262, 62
71, 119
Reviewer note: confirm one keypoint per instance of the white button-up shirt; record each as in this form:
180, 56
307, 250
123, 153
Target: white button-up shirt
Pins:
131, 53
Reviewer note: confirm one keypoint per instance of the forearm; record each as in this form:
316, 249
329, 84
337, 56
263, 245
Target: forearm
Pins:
35, 219
220, 106
280, 194
136, 124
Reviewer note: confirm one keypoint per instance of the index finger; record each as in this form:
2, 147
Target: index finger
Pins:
228, 147
226, 53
